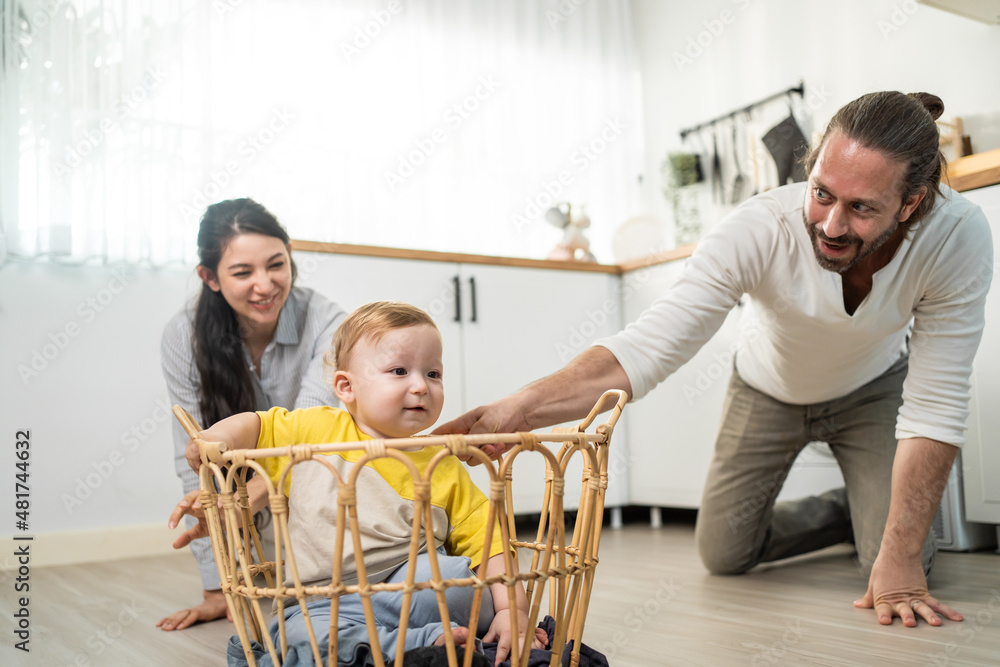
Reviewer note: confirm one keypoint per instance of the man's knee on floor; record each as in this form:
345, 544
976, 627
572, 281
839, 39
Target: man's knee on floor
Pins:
717, 563
721, 558
720, 553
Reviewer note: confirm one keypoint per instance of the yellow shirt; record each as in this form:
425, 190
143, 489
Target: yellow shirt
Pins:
385, 495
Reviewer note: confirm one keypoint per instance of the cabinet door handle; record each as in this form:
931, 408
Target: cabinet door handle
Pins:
472, 292
458, 298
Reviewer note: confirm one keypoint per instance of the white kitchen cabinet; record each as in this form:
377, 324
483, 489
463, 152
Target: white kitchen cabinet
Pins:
981, 454
502, 327
530, 323
672, 431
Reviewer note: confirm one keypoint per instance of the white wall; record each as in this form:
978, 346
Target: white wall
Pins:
79, 367
841, 50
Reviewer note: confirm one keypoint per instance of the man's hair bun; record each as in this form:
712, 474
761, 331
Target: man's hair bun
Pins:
932, 103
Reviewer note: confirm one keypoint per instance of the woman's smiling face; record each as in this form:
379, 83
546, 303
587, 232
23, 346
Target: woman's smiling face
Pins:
254, 276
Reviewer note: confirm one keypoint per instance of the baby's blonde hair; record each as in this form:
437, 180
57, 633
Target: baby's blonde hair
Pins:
371, 322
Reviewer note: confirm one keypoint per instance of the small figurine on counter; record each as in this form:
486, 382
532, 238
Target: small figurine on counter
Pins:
574, 245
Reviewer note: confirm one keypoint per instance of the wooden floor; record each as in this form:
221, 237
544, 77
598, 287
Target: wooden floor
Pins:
653, 604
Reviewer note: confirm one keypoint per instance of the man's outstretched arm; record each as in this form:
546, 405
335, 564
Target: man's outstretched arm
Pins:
567, 394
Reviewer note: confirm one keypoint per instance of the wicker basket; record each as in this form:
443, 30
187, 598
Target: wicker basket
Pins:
557, 561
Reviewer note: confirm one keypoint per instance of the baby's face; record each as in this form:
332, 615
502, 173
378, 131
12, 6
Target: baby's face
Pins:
397, 382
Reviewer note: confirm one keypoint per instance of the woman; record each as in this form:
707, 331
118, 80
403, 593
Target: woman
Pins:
251, 341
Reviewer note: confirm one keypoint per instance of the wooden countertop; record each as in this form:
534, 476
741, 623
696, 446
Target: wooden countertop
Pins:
432, 256
967, 173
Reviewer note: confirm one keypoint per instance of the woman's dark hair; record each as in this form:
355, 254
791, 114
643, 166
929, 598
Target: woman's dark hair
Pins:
902, 128
226, 385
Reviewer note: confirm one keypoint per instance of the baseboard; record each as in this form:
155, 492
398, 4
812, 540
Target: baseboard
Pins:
88, 546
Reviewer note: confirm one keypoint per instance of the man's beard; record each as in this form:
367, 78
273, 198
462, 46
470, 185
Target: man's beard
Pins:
862, 251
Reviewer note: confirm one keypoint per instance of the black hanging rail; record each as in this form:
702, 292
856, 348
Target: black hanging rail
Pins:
800, 89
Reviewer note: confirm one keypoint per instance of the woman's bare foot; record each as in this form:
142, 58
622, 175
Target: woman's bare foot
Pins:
214, 606
460, 635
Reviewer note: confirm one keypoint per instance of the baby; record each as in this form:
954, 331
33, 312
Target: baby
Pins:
387, 370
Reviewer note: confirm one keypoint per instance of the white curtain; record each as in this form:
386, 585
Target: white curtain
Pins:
437, 124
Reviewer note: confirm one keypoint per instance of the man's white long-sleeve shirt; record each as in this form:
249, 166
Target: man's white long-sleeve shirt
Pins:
797, 342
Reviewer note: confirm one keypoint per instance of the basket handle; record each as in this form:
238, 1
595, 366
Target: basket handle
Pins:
621, 397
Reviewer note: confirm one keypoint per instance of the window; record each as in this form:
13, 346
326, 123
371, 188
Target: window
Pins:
444, 124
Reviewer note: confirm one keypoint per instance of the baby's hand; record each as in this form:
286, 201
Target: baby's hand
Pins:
500, 633
541, 639
193, 455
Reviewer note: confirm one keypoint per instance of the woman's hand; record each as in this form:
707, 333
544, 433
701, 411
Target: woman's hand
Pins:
190, 504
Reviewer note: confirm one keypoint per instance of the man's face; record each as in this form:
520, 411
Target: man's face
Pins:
853, 204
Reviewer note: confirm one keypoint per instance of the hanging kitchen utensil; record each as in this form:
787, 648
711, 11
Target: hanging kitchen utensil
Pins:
739, 181
718, 189
787, 146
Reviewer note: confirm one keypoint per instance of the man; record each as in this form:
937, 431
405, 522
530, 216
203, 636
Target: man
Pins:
868, 285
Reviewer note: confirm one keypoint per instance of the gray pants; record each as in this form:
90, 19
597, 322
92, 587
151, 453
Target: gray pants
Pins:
739, 525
